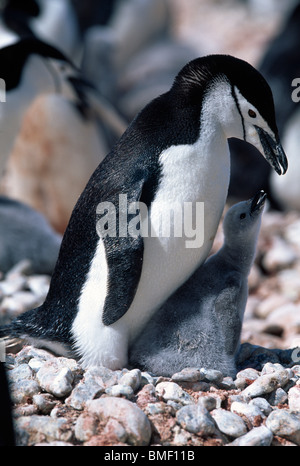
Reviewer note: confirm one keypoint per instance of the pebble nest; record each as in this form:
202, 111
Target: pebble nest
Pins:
56, 402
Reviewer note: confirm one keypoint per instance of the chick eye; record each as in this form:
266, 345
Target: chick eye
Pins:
242, 216
251, 113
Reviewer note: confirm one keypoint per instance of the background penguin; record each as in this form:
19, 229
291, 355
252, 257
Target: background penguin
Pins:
105, 288
54, 128
200, 325
28, 68
280, 65
54, 22
135, 56
26, 234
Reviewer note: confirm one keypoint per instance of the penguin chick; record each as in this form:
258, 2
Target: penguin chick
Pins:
26, 234
200, 325
116, 268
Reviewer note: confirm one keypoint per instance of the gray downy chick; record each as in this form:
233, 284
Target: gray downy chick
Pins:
200, 324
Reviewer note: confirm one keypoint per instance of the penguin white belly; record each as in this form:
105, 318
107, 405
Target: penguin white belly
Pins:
167, 261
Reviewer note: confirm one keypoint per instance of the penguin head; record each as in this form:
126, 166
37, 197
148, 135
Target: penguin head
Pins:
239, 98
242, 221
30, 67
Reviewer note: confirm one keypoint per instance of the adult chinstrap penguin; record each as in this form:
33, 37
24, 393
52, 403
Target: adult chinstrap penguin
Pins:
200, 324
105, 289
28, 69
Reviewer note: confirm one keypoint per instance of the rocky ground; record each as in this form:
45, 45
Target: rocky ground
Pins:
57, 402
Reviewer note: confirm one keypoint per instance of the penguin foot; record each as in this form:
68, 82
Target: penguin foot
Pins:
101, 345
29, 328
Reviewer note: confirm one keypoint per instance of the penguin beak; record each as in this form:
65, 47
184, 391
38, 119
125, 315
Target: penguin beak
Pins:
258, 202
273, 151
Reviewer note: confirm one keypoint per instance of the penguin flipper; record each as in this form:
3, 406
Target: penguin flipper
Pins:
124, 256
124, 259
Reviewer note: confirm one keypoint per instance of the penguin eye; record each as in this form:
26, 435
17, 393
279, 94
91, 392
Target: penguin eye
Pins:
251, 113
242, 216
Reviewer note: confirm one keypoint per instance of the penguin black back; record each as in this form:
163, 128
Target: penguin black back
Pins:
16, 15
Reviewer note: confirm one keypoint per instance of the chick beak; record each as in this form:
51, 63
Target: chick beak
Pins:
258, 202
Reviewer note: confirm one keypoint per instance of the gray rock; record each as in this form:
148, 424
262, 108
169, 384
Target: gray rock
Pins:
155, 408
120, 390
257, 437
95, 381
146, 379
87, 389
279, 396
55, 378
128, 414
44, 402
35, 364
171, 391
196, 419
267, 383
12, 285
285, 424
23, 391
29, 352
270, 368
227, 383
211, 375
102, 376
85, 427
252, 412
132, 379
20, 302
263, 405
279, 256
189, 374
39, 285
35, 429
20, 373
294, 399
208, 402
229, 423
246, 377
24, 409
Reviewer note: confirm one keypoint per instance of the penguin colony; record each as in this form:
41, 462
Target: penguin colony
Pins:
104, 289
